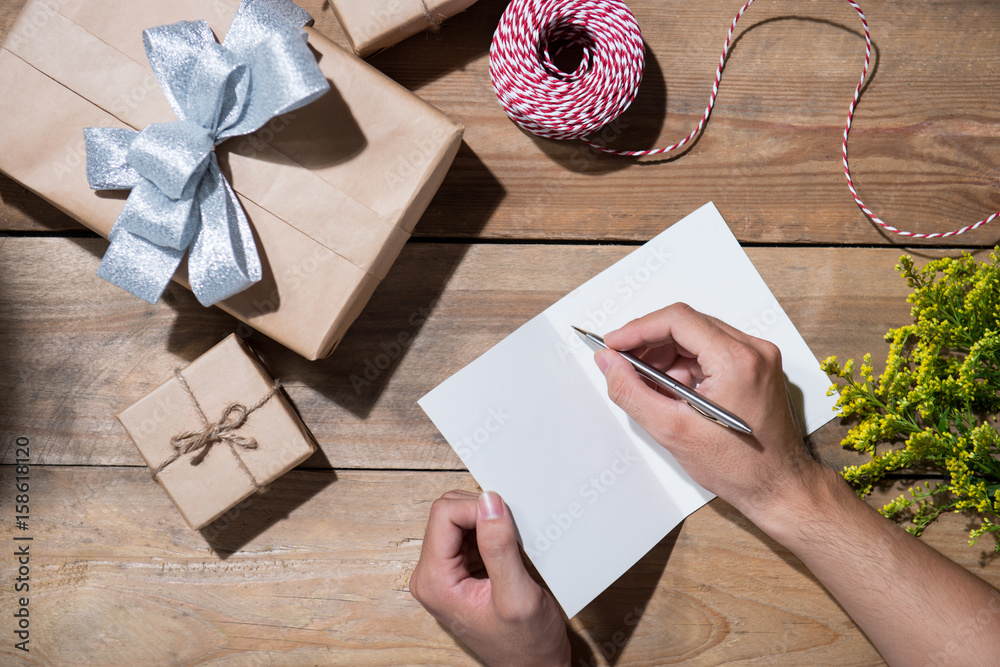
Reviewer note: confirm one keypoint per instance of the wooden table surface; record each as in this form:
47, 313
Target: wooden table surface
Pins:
316, 571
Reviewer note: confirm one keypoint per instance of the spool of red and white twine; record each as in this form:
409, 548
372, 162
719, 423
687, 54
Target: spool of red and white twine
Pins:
545, 100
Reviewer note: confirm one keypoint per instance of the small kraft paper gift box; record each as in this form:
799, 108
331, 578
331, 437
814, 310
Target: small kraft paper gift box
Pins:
217, 432
374, 25
331, 190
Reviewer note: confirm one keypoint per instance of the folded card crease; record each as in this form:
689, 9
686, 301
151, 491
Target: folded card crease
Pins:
590, 491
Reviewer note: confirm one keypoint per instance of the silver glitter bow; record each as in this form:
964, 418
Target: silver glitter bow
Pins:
179, 200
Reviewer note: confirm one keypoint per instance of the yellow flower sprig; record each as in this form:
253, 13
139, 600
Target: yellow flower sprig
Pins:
934, 407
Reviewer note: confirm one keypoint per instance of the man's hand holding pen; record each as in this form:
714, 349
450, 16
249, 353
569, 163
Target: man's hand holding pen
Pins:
768, 475
730, 368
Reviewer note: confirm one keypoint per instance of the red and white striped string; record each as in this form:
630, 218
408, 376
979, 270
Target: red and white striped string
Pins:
544, 99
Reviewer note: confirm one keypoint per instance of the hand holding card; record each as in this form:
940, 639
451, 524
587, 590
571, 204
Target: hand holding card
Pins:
590, 491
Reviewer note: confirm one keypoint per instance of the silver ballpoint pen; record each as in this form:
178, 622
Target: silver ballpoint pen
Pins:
700, 404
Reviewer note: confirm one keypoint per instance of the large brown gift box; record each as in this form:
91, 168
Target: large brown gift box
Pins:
332, 190
373, 25
206, 482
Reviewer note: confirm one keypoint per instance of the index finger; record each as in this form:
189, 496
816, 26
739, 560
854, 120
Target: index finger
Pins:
677, 324
449, 520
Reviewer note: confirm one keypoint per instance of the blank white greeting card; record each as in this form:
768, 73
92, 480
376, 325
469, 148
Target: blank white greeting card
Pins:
589, 490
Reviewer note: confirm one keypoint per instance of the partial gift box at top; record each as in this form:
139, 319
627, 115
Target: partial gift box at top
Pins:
374, 25
332, 190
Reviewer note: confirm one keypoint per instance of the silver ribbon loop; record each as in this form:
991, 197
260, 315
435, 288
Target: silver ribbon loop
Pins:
180, 202
113, 172
171, 156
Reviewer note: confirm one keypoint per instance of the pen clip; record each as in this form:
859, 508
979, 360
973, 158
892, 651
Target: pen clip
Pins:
706, 415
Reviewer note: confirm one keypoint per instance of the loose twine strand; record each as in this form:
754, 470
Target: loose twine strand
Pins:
200, 441
433, 22
547, 101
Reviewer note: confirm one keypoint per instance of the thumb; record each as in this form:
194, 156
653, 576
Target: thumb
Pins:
656, 413
497, 541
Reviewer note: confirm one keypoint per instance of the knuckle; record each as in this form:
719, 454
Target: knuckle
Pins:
493, 547
679, 309
438, 507
520, 609
750, 359
416, 588
622, 393
425, 590
772, 353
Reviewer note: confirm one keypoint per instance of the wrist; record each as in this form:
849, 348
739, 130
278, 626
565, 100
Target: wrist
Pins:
805, 498
525, 655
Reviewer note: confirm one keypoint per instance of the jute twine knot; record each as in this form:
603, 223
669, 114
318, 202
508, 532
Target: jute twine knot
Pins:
433, 22
199, 442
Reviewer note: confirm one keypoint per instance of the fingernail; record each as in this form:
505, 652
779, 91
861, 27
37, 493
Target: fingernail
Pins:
490, 505
602, 361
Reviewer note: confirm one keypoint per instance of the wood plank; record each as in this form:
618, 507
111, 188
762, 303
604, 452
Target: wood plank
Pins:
925, 149
75, 350
316, 572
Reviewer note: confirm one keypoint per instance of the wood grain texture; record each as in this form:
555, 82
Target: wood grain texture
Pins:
925, 144
75, 350
316, 572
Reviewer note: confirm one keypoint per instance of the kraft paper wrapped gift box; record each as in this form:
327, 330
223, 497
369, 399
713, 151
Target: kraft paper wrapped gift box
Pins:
373, 25
332, 190
204, 484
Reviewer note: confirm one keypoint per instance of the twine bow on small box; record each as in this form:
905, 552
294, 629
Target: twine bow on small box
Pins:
180, 202
199, 442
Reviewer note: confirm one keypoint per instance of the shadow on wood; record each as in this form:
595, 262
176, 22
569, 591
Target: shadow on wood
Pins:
612, 617
465, 38
32, 213
358, 371
248, 519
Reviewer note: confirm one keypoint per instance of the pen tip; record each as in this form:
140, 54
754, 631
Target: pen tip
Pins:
579, 330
